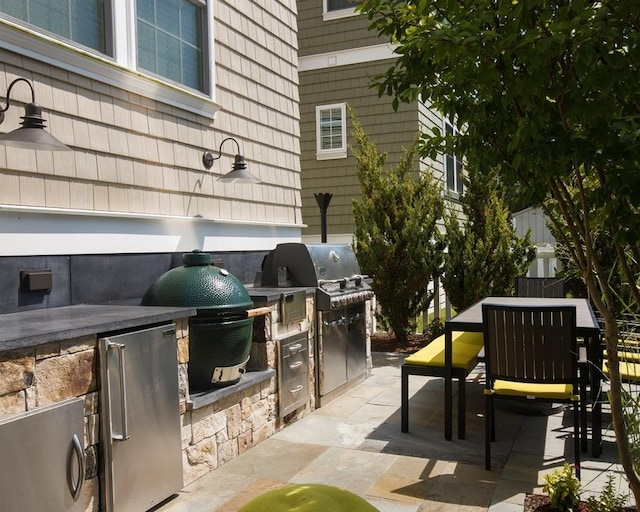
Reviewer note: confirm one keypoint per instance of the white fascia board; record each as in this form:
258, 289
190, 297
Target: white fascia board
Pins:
347, 57
28, 231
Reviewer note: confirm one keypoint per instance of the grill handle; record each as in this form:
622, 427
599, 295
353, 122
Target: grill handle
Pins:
251, 313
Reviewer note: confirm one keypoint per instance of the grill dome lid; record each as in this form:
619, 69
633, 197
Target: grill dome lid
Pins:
200, 285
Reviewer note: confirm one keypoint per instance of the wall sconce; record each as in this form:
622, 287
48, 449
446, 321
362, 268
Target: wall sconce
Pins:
32, 134
238, 173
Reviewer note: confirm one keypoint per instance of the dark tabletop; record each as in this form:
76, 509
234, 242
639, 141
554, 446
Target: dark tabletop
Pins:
471, 318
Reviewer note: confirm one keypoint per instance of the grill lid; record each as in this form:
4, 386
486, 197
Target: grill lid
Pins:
198, 284
310, 264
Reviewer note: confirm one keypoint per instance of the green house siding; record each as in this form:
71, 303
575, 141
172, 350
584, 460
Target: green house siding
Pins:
391, 131
318, 36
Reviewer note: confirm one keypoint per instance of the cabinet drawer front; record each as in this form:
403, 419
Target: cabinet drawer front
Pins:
292, 348
295, 392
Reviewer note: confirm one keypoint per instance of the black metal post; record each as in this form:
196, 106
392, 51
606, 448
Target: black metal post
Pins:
323, 201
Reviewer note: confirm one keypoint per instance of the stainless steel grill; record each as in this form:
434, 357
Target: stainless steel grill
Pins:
332, 268
341, 294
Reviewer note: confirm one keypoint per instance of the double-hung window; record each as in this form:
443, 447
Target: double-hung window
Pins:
334, 9
167, 39
453, 167
331, 131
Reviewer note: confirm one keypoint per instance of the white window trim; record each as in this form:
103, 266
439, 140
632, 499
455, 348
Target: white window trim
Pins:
336, 15
118, 72
331, 154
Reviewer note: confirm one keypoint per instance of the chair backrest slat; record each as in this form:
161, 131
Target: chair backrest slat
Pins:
530, 344
540, 287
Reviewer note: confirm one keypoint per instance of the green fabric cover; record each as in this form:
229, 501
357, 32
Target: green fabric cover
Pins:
308, 498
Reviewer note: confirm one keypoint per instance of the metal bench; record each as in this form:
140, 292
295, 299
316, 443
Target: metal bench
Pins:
429, 361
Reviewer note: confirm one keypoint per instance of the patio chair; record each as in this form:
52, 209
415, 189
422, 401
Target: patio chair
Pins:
540, 287
628, 351
530, 354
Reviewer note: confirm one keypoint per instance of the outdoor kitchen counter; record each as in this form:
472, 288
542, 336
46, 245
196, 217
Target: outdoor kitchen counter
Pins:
271, 294
38, 326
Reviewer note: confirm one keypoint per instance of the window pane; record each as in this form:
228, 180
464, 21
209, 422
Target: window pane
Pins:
15, 8
87, 23
81, 21
191, 27
459, 170
331, 128
171, 40
192, 66
146, 10
146, 47
168, 17
51, 16
169, 56
449, 169
336, 5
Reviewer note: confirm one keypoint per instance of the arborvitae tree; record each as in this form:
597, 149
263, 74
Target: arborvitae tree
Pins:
485, 254
398, 242
548, 93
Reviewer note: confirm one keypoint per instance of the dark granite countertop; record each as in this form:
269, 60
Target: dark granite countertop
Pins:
38, 326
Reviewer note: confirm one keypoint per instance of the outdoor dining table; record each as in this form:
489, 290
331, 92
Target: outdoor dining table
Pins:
587, 328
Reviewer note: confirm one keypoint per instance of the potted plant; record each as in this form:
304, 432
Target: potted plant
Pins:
562, 489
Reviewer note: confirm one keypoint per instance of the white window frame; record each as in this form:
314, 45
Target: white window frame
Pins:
120, 70
457, 189
334, 153
328, 15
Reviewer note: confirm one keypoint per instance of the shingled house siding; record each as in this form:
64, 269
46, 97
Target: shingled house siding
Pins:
134, 154
134, 182
318, 36
348, 84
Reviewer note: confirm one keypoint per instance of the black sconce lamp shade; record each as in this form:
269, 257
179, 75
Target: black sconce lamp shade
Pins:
239, 172
32, 134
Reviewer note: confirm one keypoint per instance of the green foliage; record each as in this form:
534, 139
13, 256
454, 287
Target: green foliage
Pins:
563, 487
397, 239
434, 329
485, 254
547, 94
609, 500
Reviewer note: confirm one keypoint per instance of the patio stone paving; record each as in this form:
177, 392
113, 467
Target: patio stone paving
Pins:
354, 442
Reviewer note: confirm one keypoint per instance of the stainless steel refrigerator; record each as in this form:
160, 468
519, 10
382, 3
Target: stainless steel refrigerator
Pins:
142, 461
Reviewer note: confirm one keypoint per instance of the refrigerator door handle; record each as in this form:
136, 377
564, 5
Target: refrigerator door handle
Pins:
123, 392
76, 487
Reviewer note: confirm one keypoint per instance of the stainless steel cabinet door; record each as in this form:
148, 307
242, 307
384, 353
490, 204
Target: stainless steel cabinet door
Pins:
42, 457
140, 418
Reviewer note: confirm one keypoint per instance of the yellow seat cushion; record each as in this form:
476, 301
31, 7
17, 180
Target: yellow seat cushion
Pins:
626, 355
629, 370
524, 389
465, 349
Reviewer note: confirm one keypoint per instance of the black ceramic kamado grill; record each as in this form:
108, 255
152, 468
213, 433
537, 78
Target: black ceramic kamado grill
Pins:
340, 298
220, 334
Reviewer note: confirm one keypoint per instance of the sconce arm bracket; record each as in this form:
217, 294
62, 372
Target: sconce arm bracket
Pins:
208, 158
6, 107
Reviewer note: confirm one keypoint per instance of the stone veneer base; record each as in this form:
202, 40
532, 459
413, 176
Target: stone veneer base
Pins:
203, 398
